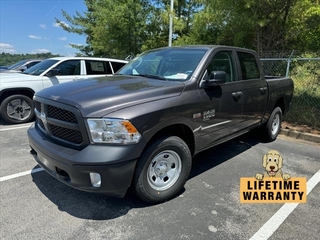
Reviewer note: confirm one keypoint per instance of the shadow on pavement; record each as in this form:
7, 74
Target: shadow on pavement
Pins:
100, 207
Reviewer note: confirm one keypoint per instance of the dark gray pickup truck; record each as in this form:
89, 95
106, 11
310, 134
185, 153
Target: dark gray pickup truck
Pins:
141, 127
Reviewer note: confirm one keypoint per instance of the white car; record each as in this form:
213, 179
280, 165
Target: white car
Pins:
17, 89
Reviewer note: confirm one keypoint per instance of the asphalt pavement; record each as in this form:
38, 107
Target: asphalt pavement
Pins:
33, 205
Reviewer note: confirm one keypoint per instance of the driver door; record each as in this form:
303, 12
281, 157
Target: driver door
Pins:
69, 70
221, 104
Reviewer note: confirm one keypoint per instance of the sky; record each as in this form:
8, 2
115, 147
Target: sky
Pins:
29, 26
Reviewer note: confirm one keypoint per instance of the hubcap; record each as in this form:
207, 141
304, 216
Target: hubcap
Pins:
275, 124
18, 109
164, 170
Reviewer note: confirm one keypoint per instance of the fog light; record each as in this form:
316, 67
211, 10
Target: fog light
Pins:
95, 179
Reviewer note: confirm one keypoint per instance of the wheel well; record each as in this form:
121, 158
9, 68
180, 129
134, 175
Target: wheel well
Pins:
180, 130
280, 103
26, 92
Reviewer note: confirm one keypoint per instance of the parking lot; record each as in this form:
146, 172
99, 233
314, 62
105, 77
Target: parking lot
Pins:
36, 206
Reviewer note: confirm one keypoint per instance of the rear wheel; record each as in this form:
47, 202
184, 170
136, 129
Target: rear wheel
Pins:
162, 170
17, 109
273, 126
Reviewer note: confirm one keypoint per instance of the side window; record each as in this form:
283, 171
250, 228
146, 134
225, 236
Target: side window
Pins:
249, 66
95, 67
69, 67
31, 64
117, 65
222, 61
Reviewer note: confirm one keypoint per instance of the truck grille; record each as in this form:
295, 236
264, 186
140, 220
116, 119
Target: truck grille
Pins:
61, 114
60, 122
70, 135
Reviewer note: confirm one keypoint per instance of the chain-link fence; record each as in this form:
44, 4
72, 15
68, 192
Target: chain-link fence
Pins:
305, 73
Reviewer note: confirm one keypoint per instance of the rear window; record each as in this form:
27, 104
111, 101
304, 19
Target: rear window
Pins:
95, 67
249, 66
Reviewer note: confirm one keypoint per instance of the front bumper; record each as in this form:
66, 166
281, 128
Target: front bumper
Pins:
115, 164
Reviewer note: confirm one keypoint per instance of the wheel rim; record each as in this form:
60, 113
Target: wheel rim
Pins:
164, 170
275, 124
18, 109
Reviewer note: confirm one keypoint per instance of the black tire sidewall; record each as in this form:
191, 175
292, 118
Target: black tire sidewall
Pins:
3, 109
269, 135
144, 191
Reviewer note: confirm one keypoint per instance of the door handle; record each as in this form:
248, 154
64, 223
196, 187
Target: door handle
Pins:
237, 96
263, 90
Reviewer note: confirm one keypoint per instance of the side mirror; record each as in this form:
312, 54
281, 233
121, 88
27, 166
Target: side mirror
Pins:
53, 72
22, 69
216, 77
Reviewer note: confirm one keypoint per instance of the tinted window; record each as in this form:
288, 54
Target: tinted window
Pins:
222, 61
29, 65
117, 65
249, 66
95, 67
16, 65
41, 67
70, 67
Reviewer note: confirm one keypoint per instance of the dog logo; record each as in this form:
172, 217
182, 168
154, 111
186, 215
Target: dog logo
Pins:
272, 162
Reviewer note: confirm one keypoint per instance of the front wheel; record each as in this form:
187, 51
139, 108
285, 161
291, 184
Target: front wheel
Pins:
162, 170
274, 124
17, 109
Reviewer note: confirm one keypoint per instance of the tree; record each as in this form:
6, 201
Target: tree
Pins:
117, 29
304, 29
113, 29
7, 59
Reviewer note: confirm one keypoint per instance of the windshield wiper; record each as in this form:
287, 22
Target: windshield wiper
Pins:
144, 75
151, 76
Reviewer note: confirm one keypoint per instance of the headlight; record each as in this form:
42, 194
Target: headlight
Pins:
113, 131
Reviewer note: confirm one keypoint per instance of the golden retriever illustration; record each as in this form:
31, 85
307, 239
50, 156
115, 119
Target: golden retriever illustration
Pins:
272, 162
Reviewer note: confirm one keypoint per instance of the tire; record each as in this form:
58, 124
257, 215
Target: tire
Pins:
17, 109
273, 125
162, 170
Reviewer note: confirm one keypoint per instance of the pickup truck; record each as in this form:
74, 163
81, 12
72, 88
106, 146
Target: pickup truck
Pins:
17, 89
141, 127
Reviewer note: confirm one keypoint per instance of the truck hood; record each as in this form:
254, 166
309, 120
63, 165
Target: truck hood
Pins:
97, 97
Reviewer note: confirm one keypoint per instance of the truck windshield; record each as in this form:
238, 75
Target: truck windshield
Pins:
39, 68
16, 65
176, 64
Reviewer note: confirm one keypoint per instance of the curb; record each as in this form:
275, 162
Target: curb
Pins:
299, 135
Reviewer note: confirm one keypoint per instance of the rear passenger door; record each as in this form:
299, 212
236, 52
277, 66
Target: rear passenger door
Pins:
254, 88
96, 68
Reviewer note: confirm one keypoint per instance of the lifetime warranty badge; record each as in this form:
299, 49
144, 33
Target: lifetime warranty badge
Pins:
273, 186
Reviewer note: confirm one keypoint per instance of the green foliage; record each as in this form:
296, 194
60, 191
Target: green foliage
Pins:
7, 59
119, 28
306, 100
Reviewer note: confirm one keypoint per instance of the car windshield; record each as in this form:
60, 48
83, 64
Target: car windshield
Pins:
40, 67
176, 64
16, 65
